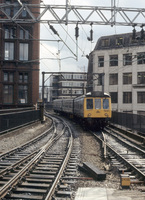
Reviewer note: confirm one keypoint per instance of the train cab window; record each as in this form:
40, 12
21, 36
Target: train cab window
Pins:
97, 103
89, 103
105, 103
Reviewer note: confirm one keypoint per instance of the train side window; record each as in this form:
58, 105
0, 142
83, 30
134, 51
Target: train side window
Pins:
89, 103
97, 103
105, 103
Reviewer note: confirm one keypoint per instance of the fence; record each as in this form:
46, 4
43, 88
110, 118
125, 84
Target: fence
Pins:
10, 121
131, 121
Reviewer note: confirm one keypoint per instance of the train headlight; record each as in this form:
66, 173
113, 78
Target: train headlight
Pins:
89, 115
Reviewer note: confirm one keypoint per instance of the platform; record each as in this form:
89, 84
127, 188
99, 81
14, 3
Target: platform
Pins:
98, 193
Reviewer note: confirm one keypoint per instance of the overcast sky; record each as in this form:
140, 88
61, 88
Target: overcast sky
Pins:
55, 56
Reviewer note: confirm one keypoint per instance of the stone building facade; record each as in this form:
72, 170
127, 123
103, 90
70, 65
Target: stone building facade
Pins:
117, 66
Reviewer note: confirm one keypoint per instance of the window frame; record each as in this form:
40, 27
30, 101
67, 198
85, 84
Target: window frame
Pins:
113, 60
8, 93
23, 51
127, 79
114, 97
127, 59
100, 62
140, 97
141, 78
9, 51
113, 79
127, 97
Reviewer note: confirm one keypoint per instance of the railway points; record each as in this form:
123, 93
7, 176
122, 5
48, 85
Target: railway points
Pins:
86, 149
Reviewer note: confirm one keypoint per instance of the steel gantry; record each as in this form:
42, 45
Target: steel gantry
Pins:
74, 14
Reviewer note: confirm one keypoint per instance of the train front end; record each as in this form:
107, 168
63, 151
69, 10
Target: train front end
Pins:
97, 111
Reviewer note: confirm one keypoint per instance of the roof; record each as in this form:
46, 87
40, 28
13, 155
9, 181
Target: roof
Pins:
119, 41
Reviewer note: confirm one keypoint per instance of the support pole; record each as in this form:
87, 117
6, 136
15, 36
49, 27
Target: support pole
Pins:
66, 12
42, 105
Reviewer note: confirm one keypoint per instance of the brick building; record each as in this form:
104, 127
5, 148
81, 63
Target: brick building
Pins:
19, 56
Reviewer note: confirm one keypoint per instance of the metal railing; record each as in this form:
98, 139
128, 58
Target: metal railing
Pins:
130, 121
10, 121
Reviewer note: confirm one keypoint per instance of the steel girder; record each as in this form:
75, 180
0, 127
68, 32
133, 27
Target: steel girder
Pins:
71, 14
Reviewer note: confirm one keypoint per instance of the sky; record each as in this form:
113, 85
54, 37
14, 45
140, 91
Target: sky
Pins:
55, 56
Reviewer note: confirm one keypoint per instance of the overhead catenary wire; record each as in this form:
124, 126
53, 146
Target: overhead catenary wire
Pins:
19, 1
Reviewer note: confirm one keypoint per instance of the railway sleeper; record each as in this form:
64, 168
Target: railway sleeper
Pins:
61, 193
41, 176
43, 172
35, 180
21, 196
67, 181
35, 185
47, 168
30, 190
63, 187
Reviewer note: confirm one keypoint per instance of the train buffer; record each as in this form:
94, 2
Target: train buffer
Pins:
94, 171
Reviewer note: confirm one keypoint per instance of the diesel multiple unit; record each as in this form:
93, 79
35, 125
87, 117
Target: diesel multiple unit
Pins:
92, 109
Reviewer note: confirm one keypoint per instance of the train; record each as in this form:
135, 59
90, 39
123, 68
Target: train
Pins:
92, 110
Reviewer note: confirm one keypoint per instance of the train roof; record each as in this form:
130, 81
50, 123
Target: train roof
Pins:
97, 94
94, 94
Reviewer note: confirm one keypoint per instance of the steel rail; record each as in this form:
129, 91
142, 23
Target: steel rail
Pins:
11, 183
20, 162
125, 142
122, 158
27, 143
63, 166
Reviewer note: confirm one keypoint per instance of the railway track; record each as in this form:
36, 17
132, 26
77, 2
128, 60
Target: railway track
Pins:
36, 175
126, 156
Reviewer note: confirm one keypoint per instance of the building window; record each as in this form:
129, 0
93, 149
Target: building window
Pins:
79, 76
8, 94
8, 9
8, 77
77, 92
114, 97
140, 97
141, 78
113, 79
101, 61
127, 59
24, 34
12, 10
16, 8
114, 60
9, 51
127, 97
66, 76
105, 42
23, 94
23, 53
127, 78
10, 33
100, 79
23, 77
141, 58
119, 41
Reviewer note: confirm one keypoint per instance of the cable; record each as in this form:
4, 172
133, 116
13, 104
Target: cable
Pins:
19, 1
35, 38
